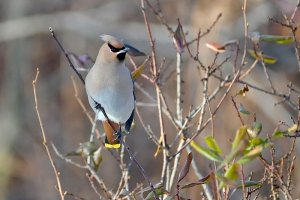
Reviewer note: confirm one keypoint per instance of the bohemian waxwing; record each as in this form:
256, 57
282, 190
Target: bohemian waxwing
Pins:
109, 84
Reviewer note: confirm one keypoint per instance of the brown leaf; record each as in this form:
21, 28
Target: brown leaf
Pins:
185, 170
216, 47
199, 182
178, 39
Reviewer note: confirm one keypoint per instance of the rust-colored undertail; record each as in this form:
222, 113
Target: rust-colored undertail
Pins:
112, 140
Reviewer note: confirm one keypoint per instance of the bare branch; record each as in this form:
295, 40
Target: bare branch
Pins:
56, 172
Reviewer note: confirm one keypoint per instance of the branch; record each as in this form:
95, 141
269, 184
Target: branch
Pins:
56, 172
245, 32
213, 114
155, 75
66, 55
87, 167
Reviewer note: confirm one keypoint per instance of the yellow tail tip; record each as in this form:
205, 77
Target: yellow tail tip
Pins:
112, 146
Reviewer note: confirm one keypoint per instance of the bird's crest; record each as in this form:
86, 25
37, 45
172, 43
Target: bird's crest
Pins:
116, 43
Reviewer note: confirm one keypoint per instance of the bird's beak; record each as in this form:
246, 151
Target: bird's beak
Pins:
125, 50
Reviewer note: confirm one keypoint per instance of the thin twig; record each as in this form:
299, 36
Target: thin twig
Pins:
268, 77
66, 55
141, 169
244, 8
93, 134
213, 95
243, 75
179, 100
94, 186
243, 182
160, 17
204, 99
155, 75
74, 196
207, 30
295, 10
68, 160
56, 172
149, 133
237, 110
209, 120
168, 111
281, 95
93, 173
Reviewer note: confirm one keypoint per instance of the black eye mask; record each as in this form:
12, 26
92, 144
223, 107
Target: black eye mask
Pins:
114, 49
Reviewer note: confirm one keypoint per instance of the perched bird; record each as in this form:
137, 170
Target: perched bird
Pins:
109, 85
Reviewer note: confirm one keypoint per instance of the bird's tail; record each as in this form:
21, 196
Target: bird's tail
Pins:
113, 134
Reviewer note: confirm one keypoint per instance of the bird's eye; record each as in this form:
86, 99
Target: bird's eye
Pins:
113, 49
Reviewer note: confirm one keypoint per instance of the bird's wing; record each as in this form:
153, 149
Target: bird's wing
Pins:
129, 122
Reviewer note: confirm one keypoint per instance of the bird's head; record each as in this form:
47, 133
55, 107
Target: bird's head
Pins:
113, 50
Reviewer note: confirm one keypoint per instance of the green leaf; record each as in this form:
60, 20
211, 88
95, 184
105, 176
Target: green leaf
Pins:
211, 143
257, 142
97, 158
85, 149
277, 39
76, 152
232, 172
255, 129
243, 110
279, 134
225, 181
238, 146
249, 184
159, 191
262, 57
208, 153
239, 136
256, 151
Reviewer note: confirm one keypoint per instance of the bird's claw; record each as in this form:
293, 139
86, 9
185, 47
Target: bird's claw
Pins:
97, 106
118, 135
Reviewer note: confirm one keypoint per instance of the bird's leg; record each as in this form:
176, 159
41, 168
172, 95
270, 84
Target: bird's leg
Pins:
118, 134
97, 105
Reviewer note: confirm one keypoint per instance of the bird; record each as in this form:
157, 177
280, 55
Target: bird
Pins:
109, 87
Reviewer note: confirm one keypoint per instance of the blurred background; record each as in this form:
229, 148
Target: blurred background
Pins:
25, 44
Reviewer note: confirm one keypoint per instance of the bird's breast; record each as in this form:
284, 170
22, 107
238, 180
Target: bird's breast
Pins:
114, 91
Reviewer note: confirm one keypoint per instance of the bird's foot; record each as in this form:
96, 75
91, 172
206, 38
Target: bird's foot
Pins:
118, 134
